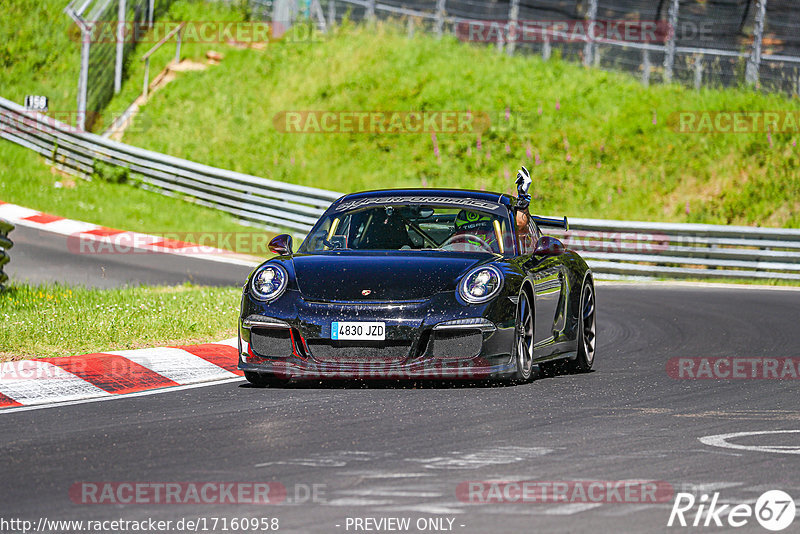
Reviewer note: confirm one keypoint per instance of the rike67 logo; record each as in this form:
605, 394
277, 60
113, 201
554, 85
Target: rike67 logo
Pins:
774, 510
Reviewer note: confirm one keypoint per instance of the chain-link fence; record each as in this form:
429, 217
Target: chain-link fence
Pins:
695, 42
109, 31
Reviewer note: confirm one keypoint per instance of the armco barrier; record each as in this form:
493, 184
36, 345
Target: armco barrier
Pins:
266, 202
5, 244
612, 248
676, 250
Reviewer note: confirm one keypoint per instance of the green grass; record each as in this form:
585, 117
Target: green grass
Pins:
606, 153
53, 320
39, 55
182, 10
39, 52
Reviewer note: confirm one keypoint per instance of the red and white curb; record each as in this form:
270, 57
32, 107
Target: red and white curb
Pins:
99, 239
46, 381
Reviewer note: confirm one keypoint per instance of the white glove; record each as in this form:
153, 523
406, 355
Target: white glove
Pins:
523, 180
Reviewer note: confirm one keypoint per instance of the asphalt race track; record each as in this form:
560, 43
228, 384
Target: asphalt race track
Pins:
39, 256
385, 450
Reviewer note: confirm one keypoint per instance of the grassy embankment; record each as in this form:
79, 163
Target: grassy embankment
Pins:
602, 140
40, 54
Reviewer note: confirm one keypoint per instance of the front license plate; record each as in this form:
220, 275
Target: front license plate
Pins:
375, 331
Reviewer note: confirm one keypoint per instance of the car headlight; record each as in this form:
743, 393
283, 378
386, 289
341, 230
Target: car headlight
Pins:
269, 282
481, 284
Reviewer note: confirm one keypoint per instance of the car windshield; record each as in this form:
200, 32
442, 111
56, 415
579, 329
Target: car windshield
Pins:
411, 227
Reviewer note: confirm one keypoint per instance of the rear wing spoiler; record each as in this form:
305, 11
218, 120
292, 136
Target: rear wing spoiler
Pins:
551, 222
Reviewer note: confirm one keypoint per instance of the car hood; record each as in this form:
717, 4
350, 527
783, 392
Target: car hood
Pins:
342, 276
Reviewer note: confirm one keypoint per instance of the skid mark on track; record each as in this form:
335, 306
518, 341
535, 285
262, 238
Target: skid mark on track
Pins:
392, 492
385, 474
357, 501
539, 509
426, 508
482, 458
638, 454
723, 453
332, 459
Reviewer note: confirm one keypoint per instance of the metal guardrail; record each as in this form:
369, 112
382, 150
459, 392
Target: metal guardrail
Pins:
5, 244
612, 248
273, 204
677, 250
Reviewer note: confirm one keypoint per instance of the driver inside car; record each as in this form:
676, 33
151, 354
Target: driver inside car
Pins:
474, 231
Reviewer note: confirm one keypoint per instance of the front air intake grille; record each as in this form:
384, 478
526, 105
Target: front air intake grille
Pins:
456, 344
270, 342
378, 352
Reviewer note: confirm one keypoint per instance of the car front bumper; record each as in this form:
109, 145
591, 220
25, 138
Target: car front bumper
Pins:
292, 340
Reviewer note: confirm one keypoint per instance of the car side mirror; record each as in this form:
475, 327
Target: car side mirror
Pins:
549, 246
281, 244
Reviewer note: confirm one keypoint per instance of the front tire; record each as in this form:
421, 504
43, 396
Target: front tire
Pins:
262, 380
523, 340
587, 329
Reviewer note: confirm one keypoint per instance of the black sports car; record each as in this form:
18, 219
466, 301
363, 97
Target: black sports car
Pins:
418, 283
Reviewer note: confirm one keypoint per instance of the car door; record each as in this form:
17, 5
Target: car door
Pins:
548, 283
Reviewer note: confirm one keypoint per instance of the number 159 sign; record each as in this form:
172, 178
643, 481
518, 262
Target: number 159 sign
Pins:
36, 103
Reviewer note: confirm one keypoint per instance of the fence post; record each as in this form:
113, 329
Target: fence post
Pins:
512, 30
440, 17
546, 46
146, 85
120, 46
331, 13
178, 46
646, 67
316, 12
698, 71
151, 12
669, 47
588, 49
371, 10
754, 61
796, 83
501, 42
83, 76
